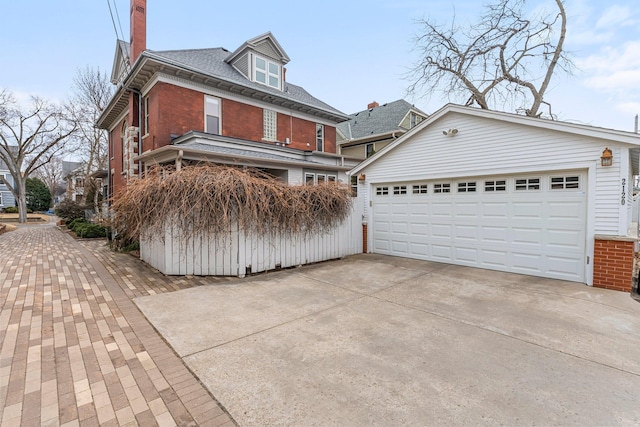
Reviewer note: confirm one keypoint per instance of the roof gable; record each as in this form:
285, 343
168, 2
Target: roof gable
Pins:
264, 44
609, 135
383, 119
121, 65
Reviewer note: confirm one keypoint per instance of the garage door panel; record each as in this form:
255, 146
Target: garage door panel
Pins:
420, 249
494, 258
467, 209
497, 210
535, 231
527, 210
494, 234
466, 254
529, 236
566, 266
441, 230
565, 239
466, 232
526, 262
441, 252
441, 209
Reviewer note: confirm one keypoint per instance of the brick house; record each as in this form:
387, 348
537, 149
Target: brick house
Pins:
228, 107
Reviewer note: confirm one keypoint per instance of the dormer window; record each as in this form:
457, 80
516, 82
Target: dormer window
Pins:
266, 72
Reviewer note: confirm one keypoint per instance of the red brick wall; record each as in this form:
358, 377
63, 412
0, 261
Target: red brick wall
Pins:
173, 110
613, 264
115, 163
365, 233
242, 120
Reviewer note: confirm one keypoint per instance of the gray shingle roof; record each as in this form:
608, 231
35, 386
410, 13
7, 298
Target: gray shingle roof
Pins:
212, 62
385, 118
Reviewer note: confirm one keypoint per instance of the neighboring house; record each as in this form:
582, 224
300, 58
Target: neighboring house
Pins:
229, 107
6, 197
506, 192
73, 174
370, 130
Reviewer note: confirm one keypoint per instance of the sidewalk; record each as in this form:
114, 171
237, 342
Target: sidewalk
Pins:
75, 350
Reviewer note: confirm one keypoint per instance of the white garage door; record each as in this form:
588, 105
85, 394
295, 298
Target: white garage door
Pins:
533, 224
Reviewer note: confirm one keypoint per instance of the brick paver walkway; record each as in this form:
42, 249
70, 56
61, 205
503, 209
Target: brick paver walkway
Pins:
75, 350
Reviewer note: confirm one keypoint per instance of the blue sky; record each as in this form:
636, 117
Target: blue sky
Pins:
346, 53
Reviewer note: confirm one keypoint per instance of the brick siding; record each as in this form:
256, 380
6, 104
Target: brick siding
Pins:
613, 264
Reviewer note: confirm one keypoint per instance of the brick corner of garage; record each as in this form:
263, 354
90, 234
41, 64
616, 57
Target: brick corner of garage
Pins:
613, 263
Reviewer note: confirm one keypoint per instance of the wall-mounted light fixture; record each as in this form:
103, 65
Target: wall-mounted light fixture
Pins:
450, 132
607, 157
362, 177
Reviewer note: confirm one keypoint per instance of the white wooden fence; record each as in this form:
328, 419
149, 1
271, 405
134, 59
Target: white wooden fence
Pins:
236, 253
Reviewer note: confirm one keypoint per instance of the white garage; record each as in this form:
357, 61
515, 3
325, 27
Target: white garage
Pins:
502, 191
532, 224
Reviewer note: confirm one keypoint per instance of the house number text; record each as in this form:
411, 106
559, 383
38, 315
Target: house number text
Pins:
623, 198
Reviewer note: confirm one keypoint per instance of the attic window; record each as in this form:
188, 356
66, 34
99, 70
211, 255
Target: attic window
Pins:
266, 72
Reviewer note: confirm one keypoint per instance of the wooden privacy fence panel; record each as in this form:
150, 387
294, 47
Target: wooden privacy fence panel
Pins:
237, 253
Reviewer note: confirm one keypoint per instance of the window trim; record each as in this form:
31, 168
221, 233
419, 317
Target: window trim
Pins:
267, 72
319, 137
400, 190
420, 189
442, 188
564, 182
353, 180
270, 125
467, 187
527, 185
382, 190
145, 113
368, 153
495, 186
219, 116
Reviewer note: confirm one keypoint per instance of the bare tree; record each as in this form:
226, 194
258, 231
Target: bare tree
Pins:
92, 92
29, 138
51, 174
504, 59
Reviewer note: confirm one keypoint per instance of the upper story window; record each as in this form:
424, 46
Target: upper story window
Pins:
270, 125
266, 72
145, 105
212, 115
369, 150
319, 137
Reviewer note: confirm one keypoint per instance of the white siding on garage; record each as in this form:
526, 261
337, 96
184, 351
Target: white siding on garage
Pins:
485, 146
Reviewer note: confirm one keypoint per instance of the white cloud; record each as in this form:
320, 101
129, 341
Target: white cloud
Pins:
613, 69
615, 16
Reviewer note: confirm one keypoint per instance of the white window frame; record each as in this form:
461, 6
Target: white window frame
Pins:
1, 199
270, 124
315, 178
319, 137
564, 182
369, 150
420, 189
495, 186
399, 190
268, 74
528, 184
382, 191
217, 114
354, 185
442, 187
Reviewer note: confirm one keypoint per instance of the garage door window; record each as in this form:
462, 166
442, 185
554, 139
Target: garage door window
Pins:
527, 184
466, 187
420, 189
565, 182
495, 185
399, 189
382, 191
442, 188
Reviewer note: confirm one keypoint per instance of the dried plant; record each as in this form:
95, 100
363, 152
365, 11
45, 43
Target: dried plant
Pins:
210, 199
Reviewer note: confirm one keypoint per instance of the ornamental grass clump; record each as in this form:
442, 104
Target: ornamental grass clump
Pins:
210, 199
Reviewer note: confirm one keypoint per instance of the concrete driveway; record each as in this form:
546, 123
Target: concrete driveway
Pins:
374, 340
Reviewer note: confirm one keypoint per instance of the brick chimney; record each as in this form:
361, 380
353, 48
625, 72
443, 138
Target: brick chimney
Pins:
374, 104
138, 29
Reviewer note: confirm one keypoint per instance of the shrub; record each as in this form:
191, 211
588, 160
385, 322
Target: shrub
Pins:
210, 199
72, 224
90, 231
11, 209
38, 195
69, 210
